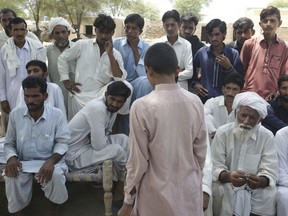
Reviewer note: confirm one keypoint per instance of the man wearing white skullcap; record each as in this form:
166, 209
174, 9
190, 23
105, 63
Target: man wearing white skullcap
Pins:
245, 164
60, 29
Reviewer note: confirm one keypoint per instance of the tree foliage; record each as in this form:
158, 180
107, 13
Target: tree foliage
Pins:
145, 9
279, 3
194, 6
116, 7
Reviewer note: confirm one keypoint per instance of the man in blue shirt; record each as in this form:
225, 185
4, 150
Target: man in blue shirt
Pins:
215, 62
277, 117
133, 50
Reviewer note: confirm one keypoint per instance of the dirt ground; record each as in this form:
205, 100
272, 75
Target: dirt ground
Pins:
84, 200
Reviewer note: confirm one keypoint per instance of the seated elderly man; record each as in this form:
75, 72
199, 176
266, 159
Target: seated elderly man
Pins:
281, 140
91, 139
245, 165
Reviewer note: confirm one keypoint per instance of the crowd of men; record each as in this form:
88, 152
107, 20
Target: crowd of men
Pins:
193, 129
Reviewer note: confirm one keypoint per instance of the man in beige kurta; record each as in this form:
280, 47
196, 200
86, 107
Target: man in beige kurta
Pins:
167, 144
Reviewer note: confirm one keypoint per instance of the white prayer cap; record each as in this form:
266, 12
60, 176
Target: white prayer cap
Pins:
252, 100
59, 21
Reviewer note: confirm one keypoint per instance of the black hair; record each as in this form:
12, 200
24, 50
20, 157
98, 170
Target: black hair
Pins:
35, 82
270, 10
41, 64
216, 23
136, 19
162, 58
189, 17
7, 10
281, 79
104, 22
16, 20
118, 88
171, 14
234, 77
243, 23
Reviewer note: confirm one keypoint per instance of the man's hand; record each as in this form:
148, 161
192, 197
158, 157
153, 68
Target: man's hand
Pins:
272, 96
46, 172
224, 61
109, 47
13, 167
5, 106
255, 182
205, 201
133, 42
200, 90
125, 210
71, 86
238, 178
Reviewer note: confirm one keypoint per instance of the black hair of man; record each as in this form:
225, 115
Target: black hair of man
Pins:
243, 23
270, 10
118, 88
171, 14
236, 78
41, 64
35, 82
162, 58
7, 10
283, 78
189, 17
135, 19
15, 21
104, 23
216, 23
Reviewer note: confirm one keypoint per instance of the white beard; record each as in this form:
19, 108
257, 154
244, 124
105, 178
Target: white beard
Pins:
243, 132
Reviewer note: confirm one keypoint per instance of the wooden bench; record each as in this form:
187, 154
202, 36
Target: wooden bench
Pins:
102, 174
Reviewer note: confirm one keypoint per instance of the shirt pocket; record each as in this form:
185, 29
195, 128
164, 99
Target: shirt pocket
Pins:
252, 163
275, 62
45, 143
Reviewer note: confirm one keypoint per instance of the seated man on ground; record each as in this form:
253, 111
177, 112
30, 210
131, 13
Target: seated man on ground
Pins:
37, 136
245, 164
218, 109
55, 96
277, 117
281, 140
91, 140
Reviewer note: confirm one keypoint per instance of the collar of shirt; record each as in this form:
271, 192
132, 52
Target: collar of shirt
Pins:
171, 86
179, 40
255, 131
26, 46
43, 116
70, 44
262, 39
124, 42
224, 50
221, 101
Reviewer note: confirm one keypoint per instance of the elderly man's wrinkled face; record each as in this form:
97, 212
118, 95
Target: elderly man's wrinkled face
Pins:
247, 119
61, 36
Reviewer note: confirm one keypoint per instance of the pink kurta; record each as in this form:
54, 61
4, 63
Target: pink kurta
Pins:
263, 64
167, 153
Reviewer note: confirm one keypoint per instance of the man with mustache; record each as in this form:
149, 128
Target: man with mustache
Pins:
215, 62
15, 54
91, 140
218, 109
55, 96
242, 30
245, 163
97, 65
265, 57
35, 143
277, 117
60, 29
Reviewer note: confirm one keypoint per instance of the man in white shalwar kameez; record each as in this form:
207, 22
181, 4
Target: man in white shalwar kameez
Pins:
55, 96
281, 141
36, 140
167, 144
245, 164
97, 64
91, 140
218, 109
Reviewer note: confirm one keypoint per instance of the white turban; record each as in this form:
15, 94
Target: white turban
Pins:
252, 100
59, 21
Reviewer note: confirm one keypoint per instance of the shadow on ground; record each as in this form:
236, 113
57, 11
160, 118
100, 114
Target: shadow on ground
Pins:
84, 200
